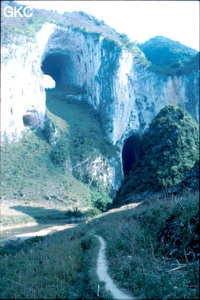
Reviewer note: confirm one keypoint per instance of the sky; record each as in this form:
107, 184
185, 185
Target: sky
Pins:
140, 20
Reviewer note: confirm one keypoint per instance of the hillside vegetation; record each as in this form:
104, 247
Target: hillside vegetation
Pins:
152, 245
54, 163
77, 21
159, 54
169, 57
152, 251
30, 26
168, 149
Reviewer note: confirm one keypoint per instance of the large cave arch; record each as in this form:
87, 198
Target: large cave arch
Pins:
129, 153
60, 67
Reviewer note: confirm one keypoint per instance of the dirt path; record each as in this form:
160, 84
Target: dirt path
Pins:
102, 272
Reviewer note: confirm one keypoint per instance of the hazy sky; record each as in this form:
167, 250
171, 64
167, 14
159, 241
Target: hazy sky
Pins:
141, 20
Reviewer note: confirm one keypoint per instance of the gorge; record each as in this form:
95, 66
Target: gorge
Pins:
92, 66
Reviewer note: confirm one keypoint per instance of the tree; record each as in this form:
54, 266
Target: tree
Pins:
168, 149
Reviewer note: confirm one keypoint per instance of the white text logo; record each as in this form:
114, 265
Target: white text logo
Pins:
13, 12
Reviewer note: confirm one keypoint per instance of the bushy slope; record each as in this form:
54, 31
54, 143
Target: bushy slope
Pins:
77, 21
52, 163
28, 173
152, 250
168, 149
167, 56
29, 26
191, 65
161, 54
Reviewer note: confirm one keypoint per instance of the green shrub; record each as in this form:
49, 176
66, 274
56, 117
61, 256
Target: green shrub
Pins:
76, 213
168, 149
100, 201
59, 153
168, 57
133, 250
92, 212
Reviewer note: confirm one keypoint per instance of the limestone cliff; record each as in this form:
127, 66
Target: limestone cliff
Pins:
101, 71
22, 88
126, 94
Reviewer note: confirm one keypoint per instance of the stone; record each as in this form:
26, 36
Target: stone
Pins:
123, 91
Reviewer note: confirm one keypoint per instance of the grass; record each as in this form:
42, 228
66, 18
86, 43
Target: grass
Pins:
82, 137
47, 268
136, 259
19, 213
28, 173
33, 271
81, 124
39, 167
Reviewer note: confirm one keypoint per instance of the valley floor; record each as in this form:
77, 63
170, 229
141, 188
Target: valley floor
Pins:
102, 264
142, 262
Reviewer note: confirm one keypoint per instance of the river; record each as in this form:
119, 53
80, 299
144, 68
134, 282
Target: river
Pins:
37, 230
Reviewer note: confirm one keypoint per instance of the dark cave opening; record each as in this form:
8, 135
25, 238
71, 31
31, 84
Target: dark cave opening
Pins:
59, 67
130, 153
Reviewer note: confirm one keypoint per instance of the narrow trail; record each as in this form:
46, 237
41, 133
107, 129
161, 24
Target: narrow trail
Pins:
102, 272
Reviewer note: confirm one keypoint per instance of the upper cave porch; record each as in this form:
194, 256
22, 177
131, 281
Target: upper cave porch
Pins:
60, 67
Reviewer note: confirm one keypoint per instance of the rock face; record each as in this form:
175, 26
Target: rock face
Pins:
103, 73
22, 90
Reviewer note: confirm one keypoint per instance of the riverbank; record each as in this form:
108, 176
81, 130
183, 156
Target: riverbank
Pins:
32, 231
143, 259
18, 214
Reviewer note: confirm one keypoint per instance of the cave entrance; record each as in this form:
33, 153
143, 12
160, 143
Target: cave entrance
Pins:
129, 153
59, 67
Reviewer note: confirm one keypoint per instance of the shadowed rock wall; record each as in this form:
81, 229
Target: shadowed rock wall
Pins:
124, 92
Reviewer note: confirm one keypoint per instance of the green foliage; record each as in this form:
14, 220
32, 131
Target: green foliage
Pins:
168, 149
138, 264
167, 56
59, 153
45, 163
77, 21
92, 212
44, 267
91, 18
137, 53
76, 213
82, 124
82, 135
27, 172
99, 200
192, 65
23, 26
37, 273
136, 261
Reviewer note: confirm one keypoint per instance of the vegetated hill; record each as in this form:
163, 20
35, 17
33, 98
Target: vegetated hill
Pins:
190, 182
49, 163
78, 21
168, 149
29, 26
167, 56
191, 65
